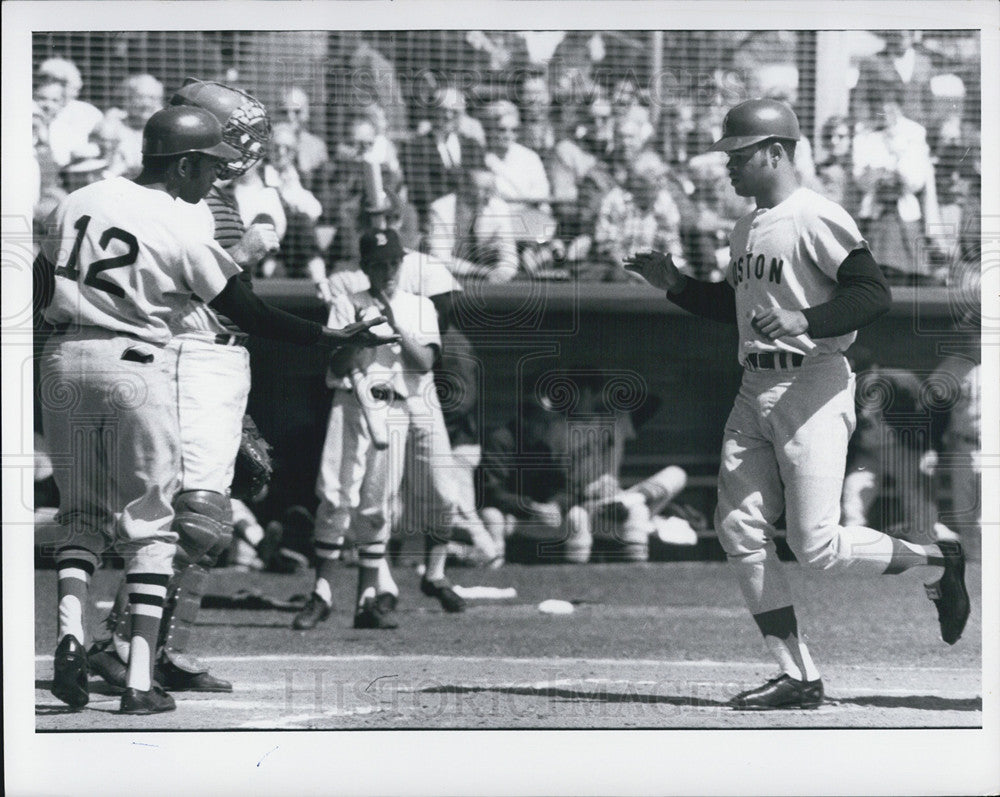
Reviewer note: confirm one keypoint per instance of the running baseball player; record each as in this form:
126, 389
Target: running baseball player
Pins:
358, 479
213, 383
800, 282
113, 278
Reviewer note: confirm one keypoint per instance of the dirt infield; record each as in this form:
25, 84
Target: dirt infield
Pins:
647, 646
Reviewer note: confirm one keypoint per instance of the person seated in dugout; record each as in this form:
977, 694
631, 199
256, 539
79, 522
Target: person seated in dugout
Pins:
559, 496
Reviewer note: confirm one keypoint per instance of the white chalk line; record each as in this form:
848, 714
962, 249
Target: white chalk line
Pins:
270, 723
294, 658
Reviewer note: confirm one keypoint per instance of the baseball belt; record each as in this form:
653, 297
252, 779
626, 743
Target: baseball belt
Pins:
771, 360
223, 339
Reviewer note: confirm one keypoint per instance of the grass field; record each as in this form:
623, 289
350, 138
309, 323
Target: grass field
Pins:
647, 646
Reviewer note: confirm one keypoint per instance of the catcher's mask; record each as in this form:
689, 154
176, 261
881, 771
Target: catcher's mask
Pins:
245, 123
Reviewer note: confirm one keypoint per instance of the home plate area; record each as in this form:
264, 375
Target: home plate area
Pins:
641, 646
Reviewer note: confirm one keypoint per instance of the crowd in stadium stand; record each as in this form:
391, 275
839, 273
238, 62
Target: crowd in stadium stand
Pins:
547, 171
539, 170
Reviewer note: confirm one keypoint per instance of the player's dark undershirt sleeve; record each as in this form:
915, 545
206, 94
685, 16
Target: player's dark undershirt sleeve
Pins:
863, 296
255, 317
715, 300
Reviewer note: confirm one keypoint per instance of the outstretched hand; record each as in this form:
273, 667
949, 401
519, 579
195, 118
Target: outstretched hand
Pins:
657, 268
359, 334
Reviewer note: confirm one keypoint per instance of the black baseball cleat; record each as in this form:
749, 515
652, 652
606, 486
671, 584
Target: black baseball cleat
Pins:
175, 679
314, 612
69, 679
451, 601
783, 692
104, 662
369, 615
154, 701
949, 594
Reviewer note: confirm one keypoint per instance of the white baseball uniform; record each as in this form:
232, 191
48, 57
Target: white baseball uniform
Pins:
785, 442
213, 383
122, 274
357, 482
451, 477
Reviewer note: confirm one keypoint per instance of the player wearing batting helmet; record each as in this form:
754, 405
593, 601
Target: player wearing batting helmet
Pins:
210, 377
800, 282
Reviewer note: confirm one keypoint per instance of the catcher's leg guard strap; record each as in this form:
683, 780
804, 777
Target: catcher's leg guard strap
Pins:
117, 621
204, 526
183, 603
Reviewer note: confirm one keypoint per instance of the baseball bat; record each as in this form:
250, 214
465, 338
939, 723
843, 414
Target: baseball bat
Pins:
378, 433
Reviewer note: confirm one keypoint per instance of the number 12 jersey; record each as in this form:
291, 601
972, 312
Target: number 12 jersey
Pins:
127, 259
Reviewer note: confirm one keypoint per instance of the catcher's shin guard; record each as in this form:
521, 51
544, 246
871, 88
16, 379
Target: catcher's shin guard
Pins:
118, 621
184, 594
204, 526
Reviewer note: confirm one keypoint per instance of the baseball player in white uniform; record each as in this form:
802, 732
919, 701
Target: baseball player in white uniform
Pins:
423, 275
120, 274
800, 282
212, 374
115, 278
358, 480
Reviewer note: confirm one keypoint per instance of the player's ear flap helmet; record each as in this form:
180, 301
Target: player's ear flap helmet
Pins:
757, 120
175, 131
245, 123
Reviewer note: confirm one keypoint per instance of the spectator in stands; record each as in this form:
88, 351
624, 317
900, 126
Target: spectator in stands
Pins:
634, 137
535, 102
894, 173
716, 209
70, 128
82, 172
432, 161
259, 203
903, 60
347, 206
374, 79
579, 182
639, 216
302, 209
633, 133
496, 55
310, 150
46, 188
107, 137
521, 182
520, 176
383, 150
834, 174
470, 228
597, 134
50, 99
143, 98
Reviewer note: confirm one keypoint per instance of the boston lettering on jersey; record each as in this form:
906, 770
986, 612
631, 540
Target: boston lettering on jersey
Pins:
758, 267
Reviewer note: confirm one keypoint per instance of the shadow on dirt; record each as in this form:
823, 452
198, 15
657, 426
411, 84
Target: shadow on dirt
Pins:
565, 693
919, 702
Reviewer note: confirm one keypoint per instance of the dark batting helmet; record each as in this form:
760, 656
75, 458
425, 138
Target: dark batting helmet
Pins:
245, 123
754, 121
178, 130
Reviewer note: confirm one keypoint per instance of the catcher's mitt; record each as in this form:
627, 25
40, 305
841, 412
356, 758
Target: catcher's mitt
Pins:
253, 463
